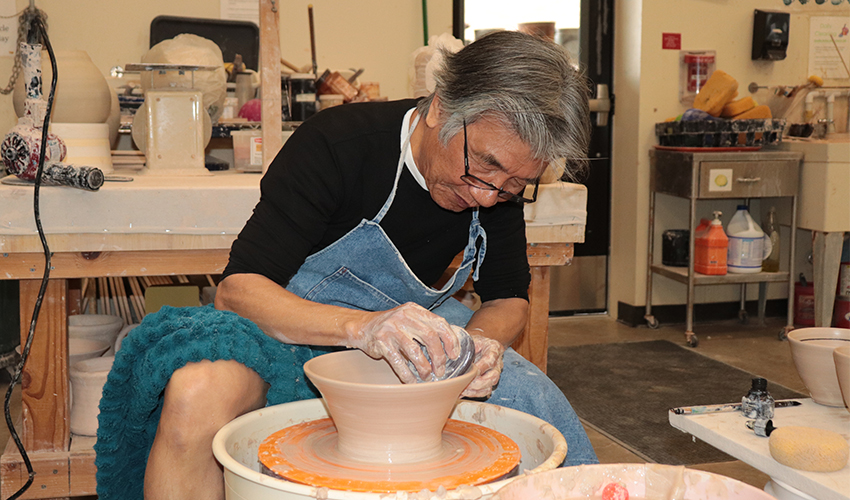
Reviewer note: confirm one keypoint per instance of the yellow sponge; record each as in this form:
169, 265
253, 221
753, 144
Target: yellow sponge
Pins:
762, 111
809, 449
719, 89
737, 107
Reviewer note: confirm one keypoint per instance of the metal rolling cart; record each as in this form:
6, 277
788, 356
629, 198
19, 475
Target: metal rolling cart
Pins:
697, 175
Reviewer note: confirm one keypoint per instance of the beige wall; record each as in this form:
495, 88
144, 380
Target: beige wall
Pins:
378, 35
646, 89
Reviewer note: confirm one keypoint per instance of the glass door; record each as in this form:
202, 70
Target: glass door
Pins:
585, 29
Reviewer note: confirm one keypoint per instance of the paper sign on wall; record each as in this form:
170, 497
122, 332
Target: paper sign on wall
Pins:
827, 36
720, 179
8, 28
241, 10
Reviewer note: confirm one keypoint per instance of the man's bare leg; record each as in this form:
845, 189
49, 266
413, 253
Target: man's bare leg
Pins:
200, 398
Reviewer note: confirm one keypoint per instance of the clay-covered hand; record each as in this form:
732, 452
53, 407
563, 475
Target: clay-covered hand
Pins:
488, 359
396, 335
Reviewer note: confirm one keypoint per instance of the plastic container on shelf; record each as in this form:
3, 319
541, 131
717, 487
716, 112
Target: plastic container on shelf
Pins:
771, 231
747, 244
248, 149
711, 248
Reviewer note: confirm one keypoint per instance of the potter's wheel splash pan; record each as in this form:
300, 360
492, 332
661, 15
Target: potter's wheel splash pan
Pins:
236, 446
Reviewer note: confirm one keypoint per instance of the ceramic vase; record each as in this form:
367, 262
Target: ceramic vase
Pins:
87, 380
379, 419
82, 96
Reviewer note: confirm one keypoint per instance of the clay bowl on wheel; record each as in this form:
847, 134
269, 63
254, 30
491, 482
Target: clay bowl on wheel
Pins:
378, 418
811, 349
640, 480
841, 356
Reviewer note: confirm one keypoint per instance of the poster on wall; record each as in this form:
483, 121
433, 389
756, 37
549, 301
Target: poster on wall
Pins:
241, 10
829, 46
8, 28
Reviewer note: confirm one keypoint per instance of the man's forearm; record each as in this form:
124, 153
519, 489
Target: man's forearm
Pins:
500, 319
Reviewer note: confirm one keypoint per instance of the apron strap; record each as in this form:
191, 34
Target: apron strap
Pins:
387, 204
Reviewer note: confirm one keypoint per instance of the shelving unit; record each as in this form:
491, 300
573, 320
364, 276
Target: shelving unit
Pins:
697, 175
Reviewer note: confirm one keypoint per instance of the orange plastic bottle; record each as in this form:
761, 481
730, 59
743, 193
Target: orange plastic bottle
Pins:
710, 249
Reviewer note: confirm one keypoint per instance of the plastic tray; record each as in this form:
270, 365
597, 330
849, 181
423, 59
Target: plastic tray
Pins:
233, 37
720, 133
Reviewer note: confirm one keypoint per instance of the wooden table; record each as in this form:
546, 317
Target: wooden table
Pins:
728, 433
65, 464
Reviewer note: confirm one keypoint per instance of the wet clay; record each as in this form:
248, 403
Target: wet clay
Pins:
379, 419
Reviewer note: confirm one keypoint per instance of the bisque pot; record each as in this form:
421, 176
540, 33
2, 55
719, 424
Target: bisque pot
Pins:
82, 94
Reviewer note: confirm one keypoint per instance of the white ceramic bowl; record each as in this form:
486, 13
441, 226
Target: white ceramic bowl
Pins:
80, 349
87, 380
811, 349
641, 481
841, 356
103, 327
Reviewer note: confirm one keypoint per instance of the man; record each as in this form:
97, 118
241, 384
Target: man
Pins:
361, 213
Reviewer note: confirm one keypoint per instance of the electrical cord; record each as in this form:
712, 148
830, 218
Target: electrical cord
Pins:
36, 28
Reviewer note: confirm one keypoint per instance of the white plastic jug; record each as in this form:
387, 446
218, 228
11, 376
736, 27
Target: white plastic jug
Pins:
748, 246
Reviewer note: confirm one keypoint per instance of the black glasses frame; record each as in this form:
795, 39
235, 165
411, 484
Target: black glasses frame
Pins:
480, 183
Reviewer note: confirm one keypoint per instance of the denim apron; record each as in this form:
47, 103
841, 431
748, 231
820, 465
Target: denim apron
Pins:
364, 269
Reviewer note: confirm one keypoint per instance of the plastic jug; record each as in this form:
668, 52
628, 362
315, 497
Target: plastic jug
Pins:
748, 246
710, 250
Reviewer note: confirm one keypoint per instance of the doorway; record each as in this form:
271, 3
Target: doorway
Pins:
585, 29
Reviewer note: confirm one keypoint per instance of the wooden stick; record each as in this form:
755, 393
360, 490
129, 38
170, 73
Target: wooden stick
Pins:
312, 40
210, 281
120, 304
839, 54
138, 296
290, 65
146, 281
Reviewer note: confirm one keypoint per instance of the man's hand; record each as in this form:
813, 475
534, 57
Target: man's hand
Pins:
488, 359
393, 335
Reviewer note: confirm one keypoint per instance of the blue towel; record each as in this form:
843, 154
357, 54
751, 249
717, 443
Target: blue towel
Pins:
165, 341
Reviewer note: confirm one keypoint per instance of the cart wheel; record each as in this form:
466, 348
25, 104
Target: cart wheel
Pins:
743, 316
652, 322
692, 339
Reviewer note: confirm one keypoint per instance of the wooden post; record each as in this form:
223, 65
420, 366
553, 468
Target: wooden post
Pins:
44, 386
533, 343
270, 79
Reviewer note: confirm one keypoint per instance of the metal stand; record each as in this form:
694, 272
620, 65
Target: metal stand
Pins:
693, 176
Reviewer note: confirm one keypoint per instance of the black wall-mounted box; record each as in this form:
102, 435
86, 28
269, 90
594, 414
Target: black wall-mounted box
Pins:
770, 35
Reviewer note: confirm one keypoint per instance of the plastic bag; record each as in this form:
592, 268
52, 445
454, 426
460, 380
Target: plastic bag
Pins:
426, 60
197, 51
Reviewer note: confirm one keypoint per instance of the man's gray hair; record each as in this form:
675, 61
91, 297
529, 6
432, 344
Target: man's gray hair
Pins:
527, 83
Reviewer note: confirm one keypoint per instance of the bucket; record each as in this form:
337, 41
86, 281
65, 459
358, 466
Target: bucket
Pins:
235, 446
639, 480
804, 304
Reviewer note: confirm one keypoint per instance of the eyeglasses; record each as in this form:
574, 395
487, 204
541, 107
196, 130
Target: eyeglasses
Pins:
507, 191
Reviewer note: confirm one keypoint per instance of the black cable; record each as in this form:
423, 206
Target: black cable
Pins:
36, 27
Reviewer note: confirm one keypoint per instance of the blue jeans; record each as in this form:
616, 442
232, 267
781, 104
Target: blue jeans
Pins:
525, 388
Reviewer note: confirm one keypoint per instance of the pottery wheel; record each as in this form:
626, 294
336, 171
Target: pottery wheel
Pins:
306, 453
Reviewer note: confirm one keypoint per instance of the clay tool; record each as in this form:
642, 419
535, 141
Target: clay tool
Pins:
312, 38
696, 410
454, 367
761, 427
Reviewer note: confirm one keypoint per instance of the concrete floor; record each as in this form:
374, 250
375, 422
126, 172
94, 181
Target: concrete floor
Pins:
751, 348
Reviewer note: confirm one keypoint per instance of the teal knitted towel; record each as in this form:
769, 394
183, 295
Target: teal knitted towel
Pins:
165, 341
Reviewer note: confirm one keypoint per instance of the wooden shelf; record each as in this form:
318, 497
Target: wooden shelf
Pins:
680, 274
